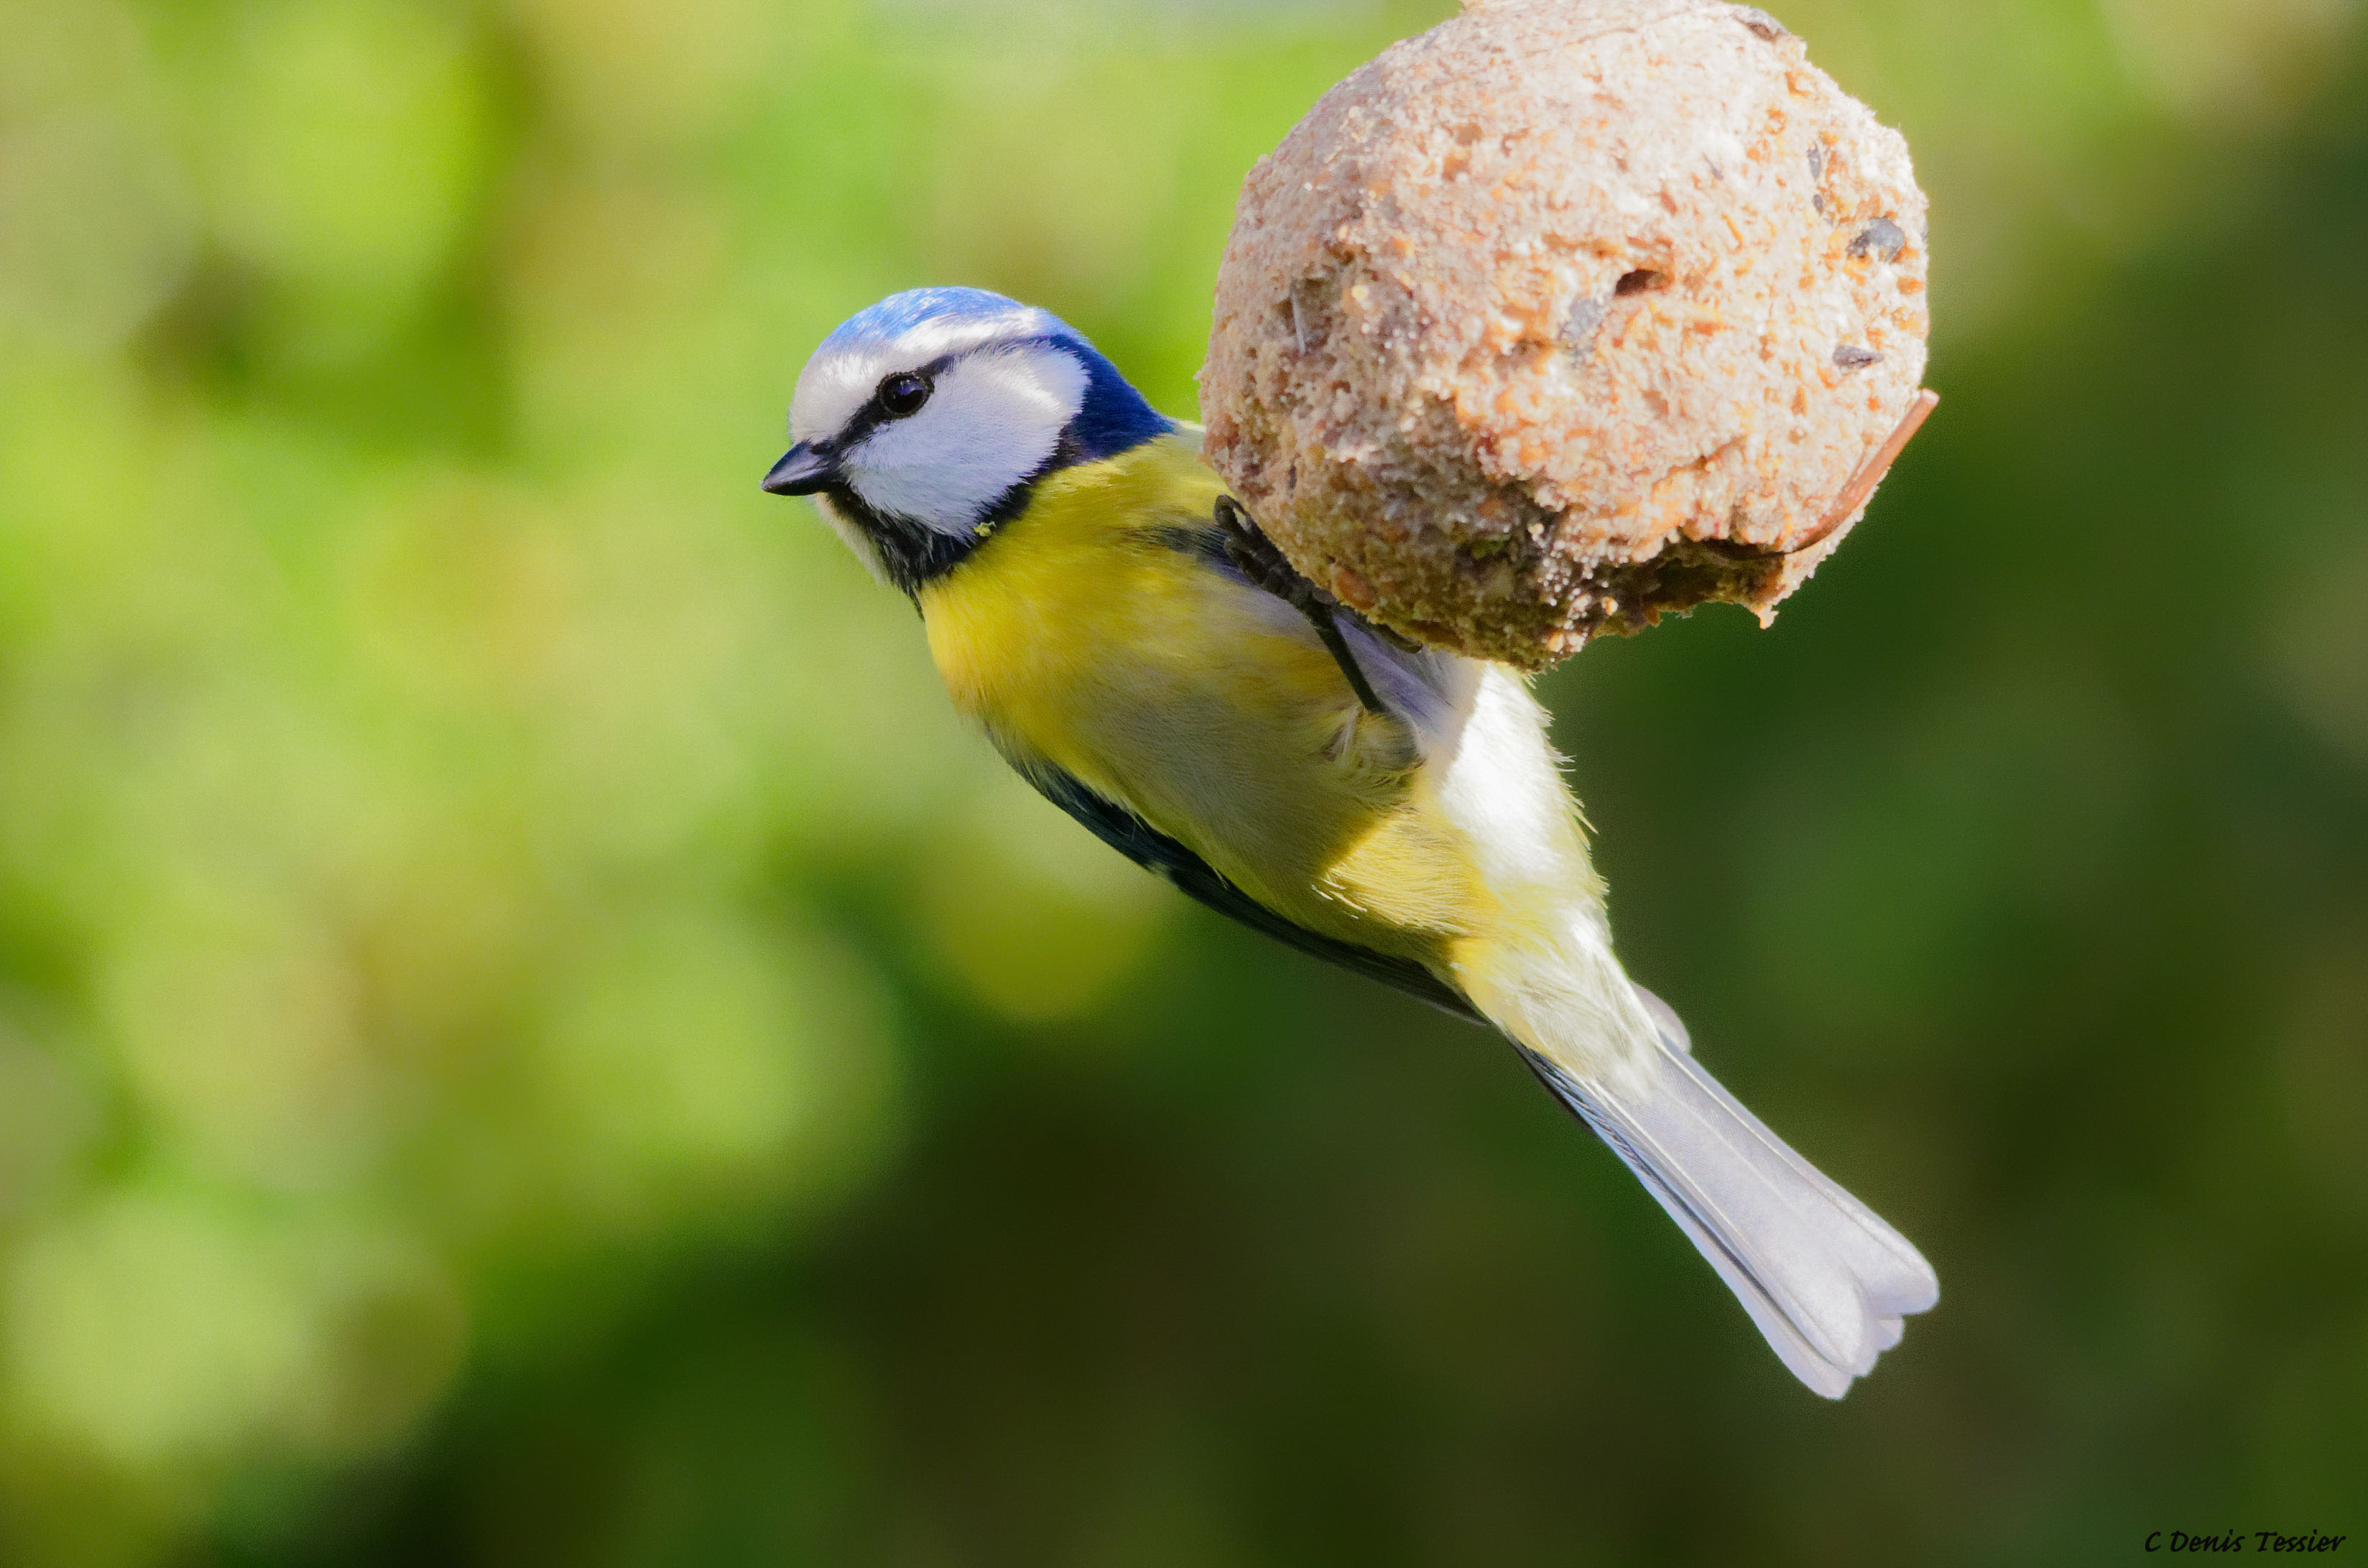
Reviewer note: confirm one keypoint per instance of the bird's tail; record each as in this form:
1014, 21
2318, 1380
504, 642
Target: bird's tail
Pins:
1826, 1280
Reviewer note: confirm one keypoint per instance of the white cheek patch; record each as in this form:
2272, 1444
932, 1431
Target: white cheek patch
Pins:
991, 421
839, 380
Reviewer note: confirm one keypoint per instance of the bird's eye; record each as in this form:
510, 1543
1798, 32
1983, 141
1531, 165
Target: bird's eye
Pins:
900, 395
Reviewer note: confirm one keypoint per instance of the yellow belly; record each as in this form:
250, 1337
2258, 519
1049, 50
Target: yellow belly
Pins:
1080, 634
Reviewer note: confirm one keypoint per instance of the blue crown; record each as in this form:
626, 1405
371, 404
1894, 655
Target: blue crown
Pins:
900, 313
1113, 417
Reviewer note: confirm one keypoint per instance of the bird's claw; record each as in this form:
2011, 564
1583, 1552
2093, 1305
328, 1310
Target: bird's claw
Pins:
1256, 556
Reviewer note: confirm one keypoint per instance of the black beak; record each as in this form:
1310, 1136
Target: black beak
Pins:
804, 469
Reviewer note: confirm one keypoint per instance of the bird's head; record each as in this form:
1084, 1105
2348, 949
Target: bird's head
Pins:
924, 420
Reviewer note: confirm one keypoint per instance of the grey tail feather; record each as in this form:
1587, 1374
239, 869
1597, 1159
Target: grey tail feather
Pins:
1823, 1279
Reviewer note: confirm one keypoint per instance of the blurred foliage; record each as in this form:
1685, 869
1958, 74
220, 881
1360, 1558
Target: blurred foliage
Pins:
529, 1035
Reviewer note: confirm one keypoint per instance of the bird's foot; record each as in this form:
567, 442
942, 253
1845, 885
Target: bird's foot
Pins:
1256, 556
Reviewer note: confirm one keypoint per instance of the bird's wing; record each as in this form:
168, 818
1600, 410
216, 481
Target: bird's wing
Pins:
1148, 847
1423, 688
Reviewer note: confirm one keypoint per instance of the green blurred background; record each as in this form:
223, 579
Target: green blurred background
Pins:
529, 1035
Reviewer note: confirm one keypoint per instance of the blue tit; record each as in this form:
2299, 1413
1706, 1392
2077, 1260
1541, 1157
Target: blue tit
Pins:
1131, 643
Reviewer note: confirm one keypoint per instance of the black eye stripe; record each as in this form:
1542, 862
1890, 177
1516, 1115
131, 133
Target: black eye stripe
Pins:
872, 415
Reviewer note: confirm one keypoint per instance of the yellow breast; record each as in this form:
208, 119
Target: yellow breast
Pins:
1082, 635
1081, 590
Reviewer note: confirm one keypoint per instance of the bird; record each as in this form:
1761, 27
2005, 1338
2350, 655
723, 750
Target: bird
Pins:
1139, 650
